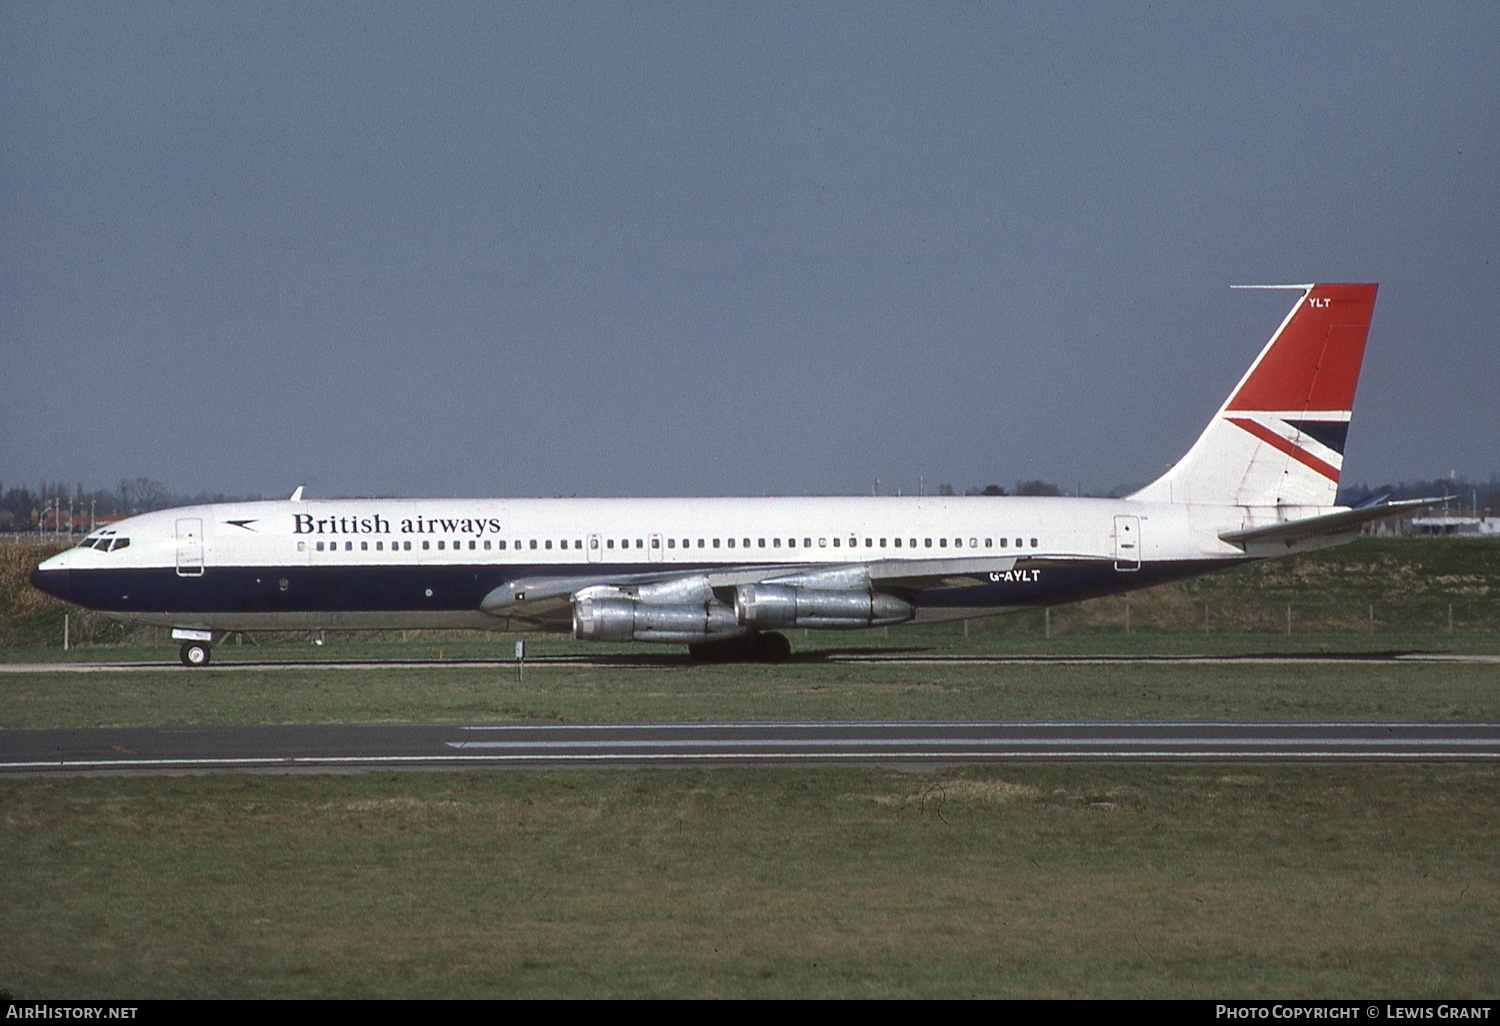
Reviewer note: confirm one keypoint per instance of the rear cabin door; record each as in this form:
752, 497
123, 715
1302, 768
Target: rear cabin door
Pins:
189, 547
1127, 543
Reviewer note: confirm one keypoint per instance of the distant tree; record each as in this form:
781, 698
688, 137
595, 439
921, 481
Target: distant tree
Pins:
945, 489
1037, 488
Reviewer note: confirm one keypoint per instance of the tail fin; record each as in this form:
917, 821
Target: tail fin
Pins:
1279, 438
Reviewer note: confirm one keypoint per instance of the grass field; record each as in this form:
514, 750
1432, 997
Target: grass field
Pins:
1055, 881
1094, 881
678, 690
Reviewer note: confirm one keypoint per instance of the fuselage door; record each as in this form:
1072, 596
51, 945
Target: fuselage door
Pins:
655, 552
1127, 543
189, 547
596, 549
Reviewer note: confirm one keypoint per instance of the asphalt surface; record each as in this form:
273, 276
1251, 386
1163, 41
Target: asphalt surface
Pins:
529, 745
850, 658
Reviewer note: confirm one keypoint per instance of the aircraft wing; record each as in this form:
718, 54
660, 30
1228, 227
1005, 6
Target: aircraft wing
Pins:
549, 598
1341, 522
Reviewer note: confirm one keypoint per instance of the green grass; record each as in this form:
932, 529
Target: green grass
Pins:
1091, 881
816, 690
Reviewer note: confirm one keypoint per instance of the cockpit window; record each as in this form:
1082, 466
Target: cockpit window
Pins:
119, 544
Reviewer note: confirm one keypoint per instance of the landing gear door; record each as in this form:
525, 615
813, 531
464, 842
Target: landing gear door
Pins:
1127, 543
189, 547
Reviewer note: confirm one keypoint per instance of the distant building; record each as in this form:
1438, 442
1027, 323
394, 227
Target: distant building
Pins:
1486, 526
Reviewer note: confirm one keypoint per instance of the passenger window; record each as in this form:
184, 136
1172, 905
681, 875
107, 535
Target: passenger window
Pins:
989, 543
671, 543
548, 543
500, 545
486, 545
807, 543
640, 544
441, 543
775, 543
320, 546
426, 544
364, 546
869, 543
927, 543
1018, 543
958, 543
942, 543
656, 543
835, 543
609, 543
533, 543
747, 543
1033, 543
302, 546
406, 546
898, 543
731, 543
716, 543
593, 543
473, 544
822, 543
1004, 542
760, 543
563, 543
700, 543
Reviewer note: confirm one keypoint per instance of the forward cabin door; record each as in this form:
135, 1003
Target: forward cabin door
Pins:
189, 547
1127, 543
595, 554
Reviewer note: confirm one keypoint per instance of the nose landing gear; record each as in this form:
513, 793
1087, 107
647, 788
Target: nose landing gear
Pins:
194, 653
196, 645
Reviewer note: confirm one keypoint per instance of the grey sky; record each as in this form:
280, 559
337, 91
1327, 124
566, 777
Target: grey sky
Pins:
650, 248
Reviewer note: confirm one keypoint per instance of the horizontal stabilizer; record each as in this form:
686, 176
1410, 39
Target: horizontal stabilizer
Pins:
1329, 523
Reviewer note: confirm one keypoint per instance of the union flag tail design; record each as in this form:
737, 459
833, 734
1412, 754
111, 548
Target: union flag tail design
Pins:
1279, 438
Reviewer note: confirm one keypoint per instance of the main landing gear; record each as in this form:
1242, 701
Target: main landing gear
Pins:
770, 647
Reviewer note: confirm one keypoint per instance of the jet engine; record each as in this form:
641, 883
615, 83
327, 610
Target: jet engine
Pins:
679, 610
764, 606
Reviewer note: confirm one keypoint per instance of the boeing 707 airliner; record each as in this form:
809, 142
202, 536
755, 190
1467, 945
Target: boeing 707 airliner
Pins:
726, 575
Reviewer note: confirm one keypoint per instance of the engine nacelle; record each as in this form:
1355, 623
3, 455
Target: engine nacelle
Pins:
622, 618
765, 606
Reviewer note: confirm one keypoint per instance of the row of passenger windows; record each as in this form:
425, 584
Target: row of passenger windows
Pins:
655, 542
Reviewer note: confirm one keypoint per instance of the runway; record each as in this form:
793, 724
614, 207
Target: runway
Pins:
160, 750
649, 660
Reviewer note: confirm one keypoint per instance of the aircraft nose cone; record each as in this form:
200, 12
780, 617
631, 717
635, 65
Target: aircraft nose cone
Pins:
49, 581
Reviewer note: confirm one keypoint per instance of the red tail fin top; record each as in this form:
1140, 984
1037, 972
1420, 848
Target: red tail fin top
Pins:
1313, 362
